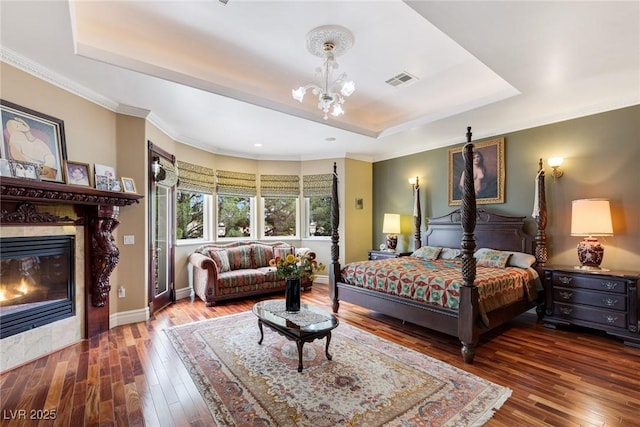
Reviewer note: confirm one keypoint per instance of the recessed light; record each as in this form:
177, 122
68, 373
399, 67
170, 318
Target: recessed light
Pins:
330, 139
257, 145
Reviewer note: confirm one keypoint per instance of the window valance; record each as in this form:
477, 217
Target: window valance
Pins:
279, 185
195, 178
170, 172
317, 185
236, 183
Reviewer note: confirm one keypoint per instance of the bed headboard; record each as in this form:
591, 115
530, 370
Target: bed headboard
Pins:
492, 230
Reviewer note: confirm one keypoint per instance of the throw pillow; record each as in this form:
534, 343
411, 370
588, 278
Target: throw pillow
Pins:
221, 259
283, 251
428, 253
492, 258
261, 255
520, 259
449, 253
240, 257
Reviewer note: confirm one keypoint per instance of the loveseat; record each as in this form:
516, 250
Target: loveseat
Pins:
225, 271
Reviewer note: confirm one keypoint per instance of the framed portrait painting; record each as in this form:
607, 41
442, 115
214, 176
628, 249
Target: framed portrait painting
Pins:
488, 172
32, 137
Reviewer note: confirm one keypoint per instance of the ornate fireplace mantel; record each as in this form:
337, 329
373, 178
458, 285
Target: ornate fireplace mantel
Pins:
96, 211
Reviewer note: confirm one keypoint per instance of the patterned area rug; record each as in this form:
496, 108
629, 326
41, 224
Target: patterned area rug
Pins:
369, 382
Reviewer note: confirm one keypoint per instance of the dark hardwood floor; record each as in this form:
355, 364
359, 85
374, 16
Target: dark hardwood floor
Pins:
131, 376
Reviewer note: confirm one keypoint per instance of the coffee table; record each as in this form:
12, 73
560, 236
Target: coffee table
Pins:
309, 324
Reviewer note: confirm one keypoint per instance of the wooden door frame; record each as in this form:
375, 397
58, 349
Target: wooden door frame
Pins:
152, 152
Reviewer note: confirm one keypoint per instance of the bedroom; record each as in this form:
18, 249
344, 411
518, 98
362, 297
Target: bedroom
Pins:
600, 153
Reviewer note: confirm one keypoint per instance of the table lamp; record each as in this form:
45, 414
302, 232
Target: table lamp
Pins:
391, 226
590, 218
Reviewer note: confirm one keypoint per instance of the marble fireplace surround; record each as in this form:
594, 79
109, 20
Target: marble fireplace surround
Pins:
39, 208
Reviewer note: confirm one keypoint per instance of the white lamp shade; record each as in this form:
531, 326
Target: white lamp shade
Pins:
591, 217
391, 224
555, 161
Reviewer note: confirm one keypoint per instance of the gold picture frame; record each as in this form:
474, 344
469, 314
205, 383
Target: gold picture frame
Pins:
77, 173
490, 172
128, 185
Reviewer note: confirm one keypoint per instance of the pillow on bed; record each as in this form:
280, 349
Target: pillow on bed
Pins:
491, 258
520, 259
429, 253
449, 253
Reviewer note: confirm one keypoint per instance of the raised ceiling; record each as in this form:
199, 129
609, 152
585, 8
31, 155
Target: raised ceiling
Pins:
219, 76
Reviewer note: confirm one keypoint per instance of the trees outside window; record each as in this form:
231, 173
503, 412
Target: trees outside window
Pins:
318, 216
234, 216
280, 216
192, 215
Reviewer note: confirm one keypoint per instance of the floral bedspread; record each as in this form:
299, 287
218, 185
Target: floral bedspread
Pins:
438, 282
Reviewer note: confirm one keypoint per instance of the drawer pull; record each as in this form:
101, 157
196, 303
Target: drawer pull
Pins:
566, 294
566, 310
609, 318
565, 280
609, 285
609, 301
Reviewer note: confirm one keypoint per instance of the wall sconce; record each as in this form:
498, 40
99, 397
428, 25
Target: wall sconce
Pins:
415, 182
157, 170
555, 163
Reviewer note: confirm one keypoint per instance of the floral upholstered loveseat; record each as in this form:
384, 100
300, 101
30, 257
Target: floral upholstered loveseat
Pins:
225, 271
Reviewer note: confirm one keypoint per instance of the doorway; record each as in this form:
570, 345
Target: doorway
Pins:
161, 229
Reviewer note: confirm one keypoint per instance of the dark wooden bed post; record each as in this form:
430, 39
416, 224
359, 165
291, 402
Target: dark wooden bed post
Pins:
417, 217
540, 216
334, 268
469, 308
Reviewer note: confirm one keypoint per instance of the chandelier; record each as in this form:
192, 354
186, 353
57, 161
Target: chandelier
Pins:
328, 42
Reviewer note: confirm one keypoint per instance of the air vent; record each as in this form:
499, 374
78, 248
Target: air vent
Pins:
403, 78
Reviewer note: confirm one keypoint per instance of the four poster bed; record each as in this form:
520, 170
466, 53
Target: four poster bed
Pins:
451, 293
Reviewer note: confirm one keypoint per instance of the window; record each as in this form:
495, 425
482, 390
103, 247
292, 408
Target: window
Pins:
234, 216
316, 190
192, 215
318, 209
280, 216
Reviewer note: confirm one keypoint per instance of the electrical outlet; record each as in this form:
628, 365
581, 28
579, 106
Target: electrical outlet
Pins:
129, 239
121, 292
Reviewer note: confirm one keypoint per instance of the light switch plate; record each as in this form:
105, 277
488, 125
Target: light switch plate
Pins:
129, 239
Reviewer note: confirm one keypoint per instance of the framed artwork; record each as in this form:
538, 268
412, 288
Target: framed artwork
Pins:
77, 173
488, 172
24, 170
128, 186
116, 185
102, 182
104, 170
32, 137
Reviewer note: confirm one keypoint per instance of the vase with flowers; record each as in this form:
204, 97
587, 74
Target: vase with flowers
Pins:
293, 268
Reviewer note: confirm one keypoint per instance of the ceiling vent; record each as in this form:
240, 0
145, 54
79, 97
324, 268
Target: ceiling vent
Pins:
403, 78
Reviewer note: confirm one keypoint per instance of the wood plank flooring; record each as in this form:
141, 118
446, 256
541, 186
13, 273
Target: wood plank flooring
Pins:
131, 376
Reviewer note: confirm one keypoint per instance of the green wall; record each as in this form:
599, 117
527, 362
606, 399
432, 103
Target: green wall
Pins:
601, 154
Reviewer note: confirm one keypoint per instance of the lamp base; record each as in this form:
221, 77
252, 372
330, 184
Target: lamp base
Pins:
590, 254
392, 242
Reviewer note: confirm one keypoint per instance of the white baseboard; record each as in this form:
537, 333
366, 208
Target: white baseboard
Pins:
321, 279
183, 293
127, 317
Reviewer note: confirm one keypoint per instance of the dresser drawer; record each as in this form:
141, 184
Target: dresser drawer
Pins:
607, 300
608, 284
590, 314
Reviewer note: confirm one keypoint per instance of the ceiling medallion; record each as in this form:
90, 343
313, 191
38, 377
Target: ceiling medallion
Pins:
328, 42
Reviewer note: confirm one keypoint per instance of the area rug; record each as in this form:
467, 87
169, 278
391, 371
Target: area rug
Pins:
369, 382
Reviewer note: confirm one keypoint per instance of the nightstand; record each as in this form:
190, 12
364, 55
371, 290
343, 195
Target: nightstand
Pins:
604, 300
374, 255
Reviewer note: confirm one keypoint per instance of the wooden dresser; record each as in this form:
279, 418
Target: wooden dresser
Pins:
604, 300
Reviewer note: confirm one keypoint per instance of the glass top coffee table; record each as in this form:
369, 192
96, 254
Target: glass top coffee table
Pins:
309, 324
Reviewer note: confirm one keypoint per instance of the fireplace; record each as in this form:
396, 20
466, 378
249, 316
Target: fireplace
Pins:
36, 281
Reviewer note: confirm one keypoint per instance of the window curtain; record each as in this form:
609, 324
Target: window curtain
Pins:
236, 183
279, 185
170, 172
317, 185
195, 178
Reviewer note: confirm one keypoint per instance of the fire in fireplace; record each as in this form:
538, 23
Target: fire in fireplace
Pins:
36, 282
